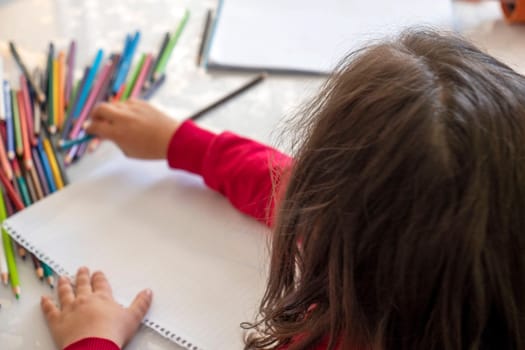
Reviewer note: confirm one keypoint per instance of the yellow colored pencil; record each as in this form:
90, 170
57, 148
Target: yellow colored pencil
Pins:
60, 83
53, 127
53, 163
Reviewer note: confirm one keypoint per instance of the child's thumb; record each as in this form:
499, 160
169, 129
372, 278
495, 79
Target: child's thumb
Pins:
141, 304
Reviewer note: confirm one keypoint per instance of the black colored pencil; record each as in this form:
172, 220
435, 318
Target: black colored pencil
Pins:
149, 78
204, 37
229, 96
39, 94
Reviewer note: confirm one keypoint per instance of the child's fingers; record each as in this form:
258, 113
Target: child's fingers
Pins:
83, 282
107, 112
49, 309
102, 129
141, 304
100, 284
65, 292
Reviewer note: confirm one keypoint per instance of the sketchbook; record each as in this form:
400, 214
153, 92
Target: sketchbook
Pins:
310, 35
148, 226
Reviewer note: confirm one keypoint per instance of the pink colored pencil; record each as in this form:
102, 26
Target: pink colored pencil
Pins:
28, 111
90, 102
142, 77
69, 74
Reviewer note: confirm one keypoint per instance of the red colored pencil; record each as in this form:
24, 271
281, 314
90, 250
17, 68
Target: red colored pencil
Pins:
25, 136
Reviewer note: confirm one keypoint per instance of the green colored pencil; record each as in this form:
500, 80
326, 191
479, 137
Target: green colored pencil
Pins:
23, 189
16, 124
48, 275
9, 252
161, 65
65, 144
133, 79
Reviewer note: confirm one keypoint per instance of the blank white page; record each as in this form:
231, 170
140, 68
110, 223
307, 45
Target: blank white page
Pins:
148, 226
311, 35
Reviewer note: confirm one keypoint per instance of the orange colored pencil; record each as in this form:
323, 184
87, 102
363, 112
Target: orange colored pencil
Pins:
119, 93
4, 160
23, 128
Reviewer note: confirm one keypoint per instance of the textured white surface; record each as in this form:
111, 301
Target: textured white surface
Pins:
257, 114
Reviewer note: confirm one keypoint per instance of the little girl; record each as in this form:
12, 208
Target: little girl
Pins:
399, 224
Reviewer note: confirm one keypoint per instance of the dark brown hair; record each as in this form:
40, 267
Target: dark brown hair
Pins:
402, 226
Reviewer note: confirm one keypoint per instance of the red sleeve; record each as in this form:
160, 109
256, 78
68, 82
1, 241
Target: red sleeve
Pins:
93, 344
243, 170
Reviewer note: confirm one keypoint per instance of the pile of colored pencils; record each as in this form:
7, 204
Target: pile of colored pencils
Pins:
42, 125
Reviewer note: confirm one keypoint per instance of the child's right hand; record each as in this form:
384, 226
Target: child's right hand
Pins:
139, 129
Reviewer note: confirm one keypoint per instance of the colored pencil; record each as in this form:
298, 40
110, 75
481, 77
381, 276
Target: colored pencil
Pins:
46, 167
53, 163
38, 267
2, 101
139, 83
4, 160
39, 94
67, 144
40, 173
154, 64
69, 120
90, 102
118, 96
4, 271
13, 195
28, 110
133, 79
70, 69
125, 63
146, 94
30, 186
49, 76
23, 129
59, 161
256, 80
53, 125
87, 86
37, 111
21, 184
35, 183
16, 123
61, 64
161, 67
10, 254
9, 120
48, 275
204, 36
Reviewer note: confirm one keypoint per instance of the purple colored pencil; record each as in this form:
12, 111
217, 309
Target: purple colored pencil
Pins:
40, 172
70, 69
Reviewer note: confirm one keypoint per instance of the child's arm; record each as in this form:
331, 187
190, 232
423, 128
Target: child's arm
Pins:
241, 169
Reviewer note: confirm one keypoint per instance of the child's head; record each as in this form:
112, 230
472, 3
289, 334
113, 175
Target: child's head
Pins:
407, 199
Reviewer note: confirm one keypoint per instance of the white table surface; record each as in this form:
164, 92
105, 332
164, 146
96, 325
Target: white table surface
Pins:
257, 114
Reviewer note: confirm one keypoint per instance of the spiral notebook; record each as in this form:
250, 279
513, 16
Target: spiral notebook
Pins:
310, 35
148, 226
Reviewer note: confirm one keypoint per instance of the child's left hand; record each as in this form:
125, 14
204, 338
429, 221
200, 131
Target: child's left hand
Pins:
91, 311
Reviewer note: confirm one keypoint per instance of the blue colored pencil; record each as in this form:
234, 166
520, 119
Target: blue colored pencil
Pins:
69, 119
9, 121
89, 82
125, 63
46, 167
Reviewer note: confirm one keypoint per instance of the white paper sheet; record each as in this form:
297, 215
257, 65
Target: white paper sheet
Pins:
311, 35
147, 226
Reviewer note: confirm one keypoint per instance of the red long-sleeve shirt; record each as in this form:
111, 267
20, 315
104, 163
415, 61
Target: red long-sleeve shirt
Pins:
243, 170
